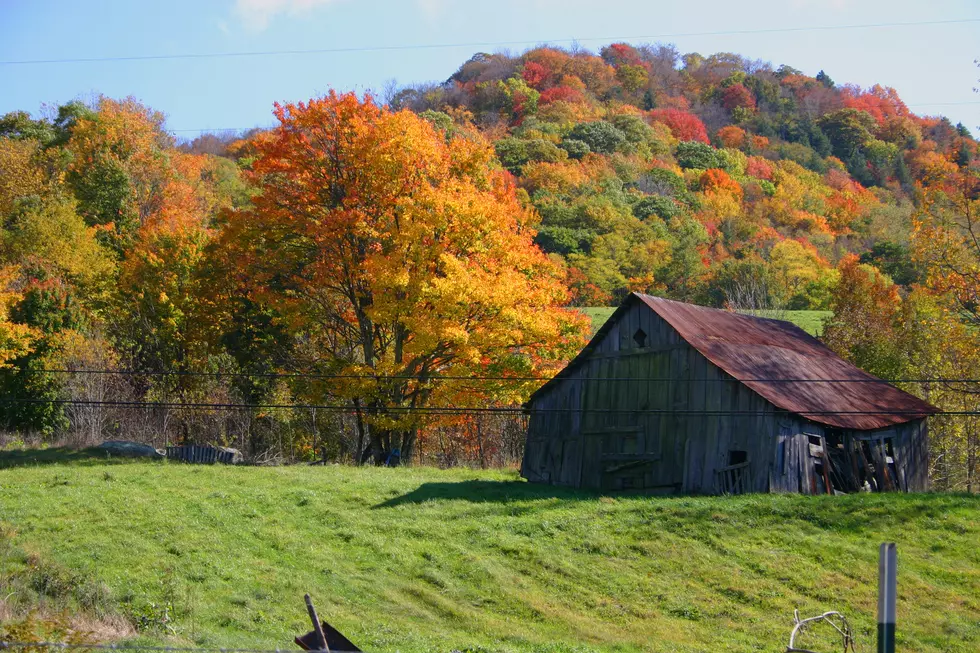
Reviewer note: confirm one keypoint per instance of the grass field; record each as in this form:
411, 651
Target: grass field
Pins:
809, 321
429, 560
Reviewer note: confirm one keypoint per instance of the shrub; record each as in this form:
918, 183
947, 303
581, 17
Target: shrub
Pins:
576, 149
695, 154
512, 153
539, 149
658, 205
600, 136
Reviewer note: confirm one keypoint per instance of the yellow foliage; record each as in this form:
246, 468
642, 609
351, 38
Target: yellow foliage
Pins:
15, 339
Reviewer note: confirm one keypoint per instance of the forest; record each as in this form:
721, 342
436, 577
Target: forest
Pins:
395, 273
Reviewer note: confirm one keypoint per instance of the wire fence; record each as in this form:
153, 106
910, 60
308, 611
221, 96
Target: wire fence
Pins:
454, 426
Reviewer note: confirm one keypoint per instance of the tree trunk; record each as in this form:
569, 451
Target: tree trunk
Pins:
408, 446
359, 457
479, 442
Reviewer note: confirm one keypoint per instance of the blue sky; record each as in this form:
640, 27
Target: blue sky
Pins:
930, 65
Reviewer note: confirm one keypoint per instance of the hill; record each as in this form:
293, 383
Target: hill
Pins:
698, 176
428, 560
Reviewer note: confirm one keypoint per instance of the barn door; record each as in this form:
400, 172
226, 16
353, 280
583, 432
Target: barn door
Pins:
592, 461
617, 459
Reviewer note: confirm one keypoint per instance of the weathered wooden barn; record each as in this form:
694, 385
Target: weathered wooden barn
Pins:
673, 397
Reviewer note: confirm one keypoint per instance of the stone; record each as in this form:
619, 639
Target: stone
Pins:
236, 455
130, 449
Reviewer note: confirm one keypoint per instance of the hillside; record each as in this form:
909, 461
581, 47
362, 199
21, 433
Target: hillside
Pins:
709, 178
428, 560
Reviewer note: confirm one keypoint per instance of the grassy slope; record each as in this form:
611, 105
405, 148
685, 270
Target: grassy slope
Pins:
809, 321
428, 560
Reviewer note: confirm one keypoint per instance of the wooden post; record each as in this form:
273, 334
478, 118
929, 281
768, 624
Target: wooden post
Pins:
887, 587
317, 627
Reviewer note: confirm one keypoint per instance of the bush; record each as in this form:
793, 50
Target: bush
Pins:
576, 149
512, 153
660, 181
564, 240
600, 136
545, 151
658, 205
694, 154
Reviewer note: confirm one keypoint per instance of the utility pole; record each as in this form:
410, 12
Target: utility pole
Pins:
887, 586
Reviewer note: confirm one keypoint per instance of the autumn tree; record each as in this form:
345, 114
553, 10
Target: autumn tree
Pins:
866, 306
946, 238
404, 257
15, 339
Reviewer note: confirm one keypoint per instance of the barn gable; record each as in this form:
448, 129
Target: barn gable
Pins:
654, 402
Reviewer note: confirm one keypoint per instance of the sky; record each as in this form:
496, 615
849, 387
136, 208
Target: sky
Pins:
931, 65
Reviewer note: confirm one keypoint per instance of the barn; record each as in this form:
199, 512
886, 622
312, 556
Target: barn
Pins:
672, 397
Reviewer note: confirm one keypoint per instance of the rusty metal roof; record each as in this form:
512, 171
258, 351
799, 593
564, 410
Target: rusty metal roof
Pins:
780, 361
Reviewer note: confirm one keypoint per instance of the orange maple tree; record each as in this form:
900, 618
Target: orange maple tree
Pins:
401, 256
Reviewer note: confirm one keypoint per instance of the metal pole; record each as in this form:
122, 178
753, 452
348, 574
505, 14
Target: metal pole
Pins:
317, 627
887, 586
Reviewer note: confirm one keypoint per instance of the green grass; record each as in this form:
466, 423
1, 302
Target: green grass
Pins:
809, 321
598, 315
429, 560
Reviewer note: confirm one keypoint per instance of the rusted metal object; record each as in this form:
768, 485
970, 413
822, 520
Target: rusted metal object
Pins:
337, 642
323, 637
206, 455
836, 620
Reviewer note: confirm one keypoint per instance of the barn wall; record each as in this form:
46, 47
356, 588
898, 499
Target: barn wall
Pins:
804, 447
669, 443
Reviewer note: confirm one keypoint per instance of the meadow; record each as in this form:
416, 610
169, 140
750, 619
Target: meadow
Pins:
810, 321
421, 559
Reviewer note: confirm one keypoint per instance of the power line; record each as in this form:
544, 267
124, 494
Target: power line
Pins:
474, 377
477, 44
458, 410
943, 104
220, 129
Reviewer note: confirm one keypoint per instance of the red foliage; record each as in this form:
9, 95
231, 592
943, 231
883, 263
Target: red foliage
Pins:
737, 95
620, 54
799, 84
553, 59
731, 136
560, 93
535, 74
880, 101
583, 291
683, 125
841, 181
759, 168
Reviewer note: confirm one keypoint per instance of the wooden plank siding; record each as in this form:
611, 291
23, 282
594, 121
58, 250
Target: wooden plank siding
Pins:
662, 417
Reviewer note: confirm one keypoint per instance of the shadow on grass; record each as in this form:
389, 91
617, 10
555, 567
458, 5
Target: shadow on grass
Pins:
487, 492
57, 456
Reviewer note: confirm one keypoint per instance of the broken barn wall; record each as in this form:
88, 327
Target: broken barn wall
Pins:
582, 431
